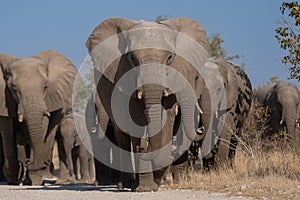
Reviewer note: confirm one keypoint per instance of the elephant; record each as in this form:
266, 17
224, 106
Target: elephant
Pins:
150, 56
220, 125
71, 147
41, 86
282, 99
10, 166
228, 81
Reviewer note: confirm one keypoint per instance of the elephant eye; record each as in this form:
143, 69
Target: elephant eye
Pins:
170, 59
132, 59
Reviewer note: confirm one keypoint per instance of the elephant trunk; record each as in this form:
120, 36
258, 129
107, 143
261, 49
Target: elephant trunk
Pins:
36, 119
289, 116
153, 112
189, 114
211, 131
153, 81
205, 103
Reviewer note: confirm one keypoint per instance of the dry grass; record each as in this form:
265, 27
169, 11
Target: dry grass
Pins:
258, 173
274, 175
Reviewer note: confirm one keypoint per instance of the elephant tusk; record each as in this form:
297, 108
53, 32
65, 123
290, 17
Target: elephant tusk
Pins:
20, 118
166, 93
47, 113
139, 94
281, 121
216, 114
176, 109
199, 109
93, 129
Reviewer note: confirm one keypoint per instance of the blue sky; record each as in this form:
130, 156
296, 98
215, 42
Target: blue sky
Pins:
247, 27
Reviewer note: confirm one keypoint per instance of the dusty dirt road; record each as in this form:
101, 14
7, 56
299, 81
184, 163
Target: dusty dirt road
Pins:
100, 192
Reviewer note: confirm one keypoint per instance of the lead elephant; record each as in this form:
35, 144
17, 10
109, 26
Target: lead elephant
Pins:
283, 101
42, 87
162, 77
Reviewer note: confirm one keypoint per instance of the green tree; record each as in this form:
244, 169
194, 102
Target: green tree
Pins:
85, 86
216, 49
288, 37
215, 42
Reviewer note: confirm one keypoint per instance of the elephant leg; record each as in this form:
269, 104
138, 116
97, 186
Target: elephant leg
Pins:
222, 156
2, 177
180, 168
62, 155
152, 171
70, 163
43, 175
26, 150
84, 164
144, 176
149, 173
163, 160
91, 167
11, 164
124, 141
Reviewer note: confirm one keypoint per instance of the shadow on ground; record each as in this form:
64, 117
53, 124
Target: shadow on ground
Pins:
71, 187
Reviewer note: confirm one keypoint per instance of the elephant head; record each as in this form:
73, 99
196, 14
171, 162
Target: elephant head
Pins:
118, 45
288, 99
40, 85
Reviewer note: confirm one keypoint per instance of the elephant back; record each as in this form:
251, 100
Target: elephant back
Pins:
243, 96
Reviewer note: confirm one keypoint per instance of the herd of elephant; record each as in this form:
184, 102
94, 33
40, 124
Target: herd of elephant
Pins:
174, 94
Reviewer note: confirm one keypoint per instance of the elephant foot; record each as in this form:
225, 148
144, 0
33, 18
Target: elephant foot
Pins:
40, 177
26, 180
86, 180
124, 184
120, 186
66, 180
17, 179
152, 187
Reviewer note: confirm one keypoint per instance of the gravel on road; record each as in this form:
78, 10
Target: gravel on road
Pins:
75, 192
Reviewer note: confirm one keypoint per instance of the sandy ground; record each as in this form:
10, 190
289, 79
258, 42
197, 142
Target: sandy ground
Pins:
100, 192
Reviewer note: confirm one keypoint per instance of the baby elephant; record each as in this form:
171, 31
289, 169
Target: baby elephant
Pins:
72, 145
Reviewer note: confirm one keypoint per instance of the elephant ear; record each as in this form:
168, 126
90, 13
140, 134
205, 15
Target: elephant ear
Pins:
191, 28
104, 51
61, 78
7, 105
191, 45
